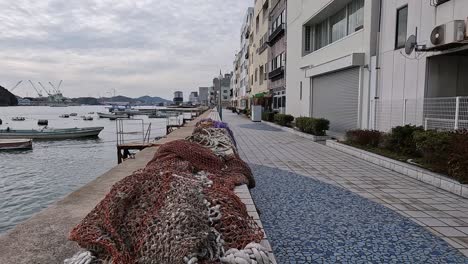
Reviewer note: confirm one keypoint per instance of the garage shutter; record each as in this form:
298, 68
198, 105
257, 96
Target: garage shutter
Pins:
335, 97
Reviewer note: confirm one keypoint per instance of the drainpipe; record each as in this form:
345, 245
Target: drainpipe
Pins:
377, 65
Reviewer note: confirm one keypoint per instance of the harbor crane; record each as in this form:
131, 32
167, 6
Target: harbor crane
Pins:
14, 87
48, 92
38, 91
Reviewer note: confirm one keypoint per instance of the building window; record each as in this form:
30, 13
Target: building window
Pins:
257, 23
266, 71
341, 24
261, 75
278, 62
256, 72
307, 38
402, 26
300, 91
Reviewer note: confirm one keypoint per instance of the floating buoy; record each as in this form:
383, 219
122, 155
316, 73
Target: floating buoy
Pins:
43, 122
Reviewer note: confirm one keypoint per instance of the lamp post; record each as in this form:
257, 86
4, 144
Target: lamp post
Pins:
220, 109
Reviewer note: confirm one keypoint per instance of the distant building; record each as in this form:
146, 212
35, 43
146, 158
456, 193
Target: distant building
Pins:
225, 87
203, 95
178, 97
193, 98
23, 101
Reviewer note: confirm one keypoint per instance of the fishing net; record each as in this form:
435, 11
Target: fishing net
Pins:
181, 208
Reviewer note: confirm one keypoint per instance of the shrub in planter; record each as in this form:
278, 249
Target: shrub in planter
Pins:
458, 160
434, 147
283, 120
367, 138
314, 126
401, 140
268, 116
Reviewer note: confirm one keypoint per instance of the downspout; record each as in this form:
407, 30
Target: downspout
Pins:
377, 66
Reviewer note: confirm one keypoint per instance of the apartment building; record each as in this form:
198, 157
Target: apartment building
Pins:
193, 98
421, 75
277, 55
222, 87
330, 46
244, 60
258, 47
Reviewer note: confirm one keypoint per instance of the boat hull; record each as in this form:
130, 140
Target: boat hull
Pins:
112, 116
51, 135
15, 144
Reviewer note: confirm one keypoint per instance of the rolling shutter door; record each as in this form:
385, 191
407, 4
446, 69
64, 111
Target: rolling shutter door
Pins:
335, 97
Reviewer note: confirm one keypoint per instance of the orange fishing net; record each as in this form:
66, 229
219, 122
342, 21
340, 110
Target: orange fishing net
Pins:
181, 208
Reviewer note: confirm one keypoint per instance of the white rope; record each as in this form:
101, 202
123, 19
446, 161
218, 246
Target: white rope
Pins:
82, 257
253, 253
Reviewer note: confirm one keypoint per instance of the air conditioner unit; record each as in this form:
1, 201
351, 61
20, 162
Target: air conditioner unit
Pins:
449, 33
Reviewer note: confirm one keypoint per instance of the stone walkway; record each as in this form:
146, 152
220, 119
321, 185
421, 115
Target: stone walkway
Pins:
319, 205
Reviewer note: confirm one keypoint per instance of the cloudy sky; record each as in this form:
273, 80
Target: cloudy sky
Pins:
137, 47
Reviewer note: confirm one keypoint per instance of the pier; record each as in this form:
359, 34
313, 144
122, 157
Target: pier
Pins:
44, 237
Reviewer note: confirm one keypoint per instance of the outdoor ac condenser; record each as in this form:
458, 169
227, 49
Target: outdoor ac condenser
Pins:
449, 33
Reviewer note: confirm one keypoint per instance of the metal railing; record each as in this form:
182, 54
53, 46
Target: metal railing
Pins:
444, 113
121, 130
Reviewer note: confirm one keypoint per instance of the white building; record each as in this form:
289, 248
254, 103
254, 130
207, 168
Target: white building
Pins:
330, 45
203, 95
422, 87
244, 83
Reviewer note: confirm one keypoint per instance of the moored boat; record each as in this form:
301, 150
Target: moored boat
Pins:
112, 116
51, 133
65, 116
88, 118
18, 118
73, 114
15, 144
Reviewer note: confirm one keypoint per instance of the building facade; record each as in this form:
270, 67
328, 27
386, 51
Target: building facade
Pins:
222, 87
178, 97
428, 83
244, 60
277, 55
258, 48
203, 93
193, 98
330, 46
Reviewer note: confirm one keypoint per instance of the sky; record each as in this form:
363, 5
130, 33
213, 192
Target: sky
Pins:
137, 47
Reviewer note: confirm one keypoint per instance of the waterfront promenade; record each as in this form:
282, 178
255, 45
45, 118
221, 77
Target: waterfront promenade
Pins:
319, 205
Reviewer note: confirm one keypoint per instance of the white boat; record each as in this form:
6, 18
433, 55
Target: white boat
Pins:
18, 118
15, 144
88, 118
51, 133
73, 114
65, 116
112, 116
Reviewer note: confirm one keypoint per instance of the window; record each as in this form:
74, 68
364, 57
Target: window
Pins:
307, 38
402, 26
261, 75
266, 71
338, 27
341, 24
256, 72
278, 62
300, 91
225, 97
257, 23
356, 16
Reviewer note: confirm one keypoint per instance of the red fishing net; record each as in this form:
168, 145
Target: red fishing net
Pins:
180, 209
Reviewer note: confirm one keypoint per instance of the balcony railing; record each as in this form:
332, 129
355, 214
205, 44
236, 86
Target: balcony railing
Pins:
276, 34
274, 74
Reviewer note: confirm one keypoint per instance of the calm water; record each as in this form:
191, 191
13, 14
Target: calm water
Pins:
32, 180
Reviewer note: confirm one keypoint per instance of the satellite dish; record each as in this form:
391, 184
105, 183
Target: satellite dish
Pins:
410, 44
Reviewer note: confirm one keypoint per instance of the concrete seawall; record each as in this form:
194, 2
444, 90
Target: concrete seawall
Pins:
43, 238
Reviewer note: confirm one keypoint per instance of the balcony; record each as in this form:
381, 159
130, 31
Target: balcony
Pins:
438, 2
277, 73
276, 34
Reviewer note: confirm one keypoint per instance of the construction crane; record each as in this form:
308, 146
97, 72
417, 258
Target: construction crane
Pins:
54, 88
48, 93
14, 87
38, 92
58, 87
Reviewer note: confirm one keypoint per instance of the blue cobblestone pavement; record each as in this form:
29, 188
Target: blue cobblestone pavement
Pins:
308, 221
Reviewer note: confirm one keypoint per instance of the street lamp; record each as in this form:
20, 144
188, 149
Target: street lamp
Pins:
220, 94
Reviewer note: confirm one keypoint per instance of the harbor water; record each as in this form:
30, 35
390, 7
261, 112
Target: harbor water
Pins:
32, 180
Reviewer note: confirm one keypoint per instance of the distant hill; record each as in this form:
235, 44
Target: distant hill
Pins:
7, 98
152, 100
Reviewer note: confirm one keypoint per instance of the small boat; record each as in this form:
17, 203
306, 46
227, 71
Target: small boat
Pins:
73, 114
42, 122
65, 116
88, 118
1, 121
15, 144
51, 133
91, 113
112, 116
18, 118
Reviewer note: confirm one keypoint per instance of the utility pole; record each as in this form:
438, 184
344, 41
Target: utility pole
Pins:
220, 109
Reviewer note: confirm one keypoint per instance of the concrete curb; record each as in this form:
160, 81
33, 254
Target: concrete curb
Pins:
434, 179
298, 133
